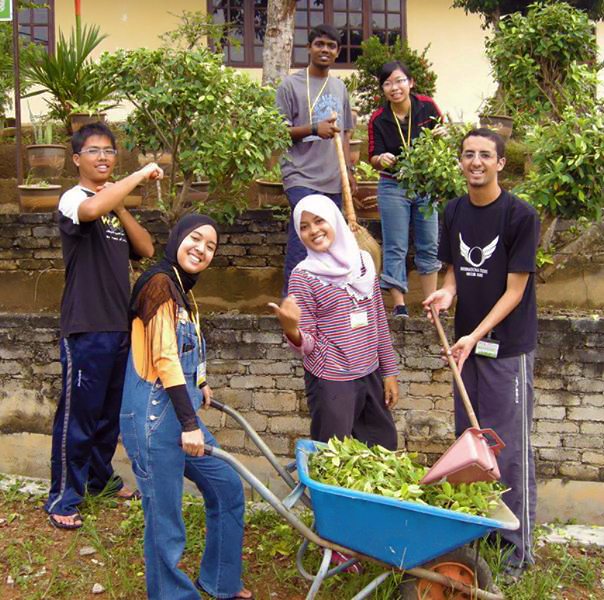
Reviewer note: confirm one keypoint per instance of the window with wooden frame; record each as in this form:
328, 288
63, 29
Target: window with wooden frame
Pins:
37, 24
356, 20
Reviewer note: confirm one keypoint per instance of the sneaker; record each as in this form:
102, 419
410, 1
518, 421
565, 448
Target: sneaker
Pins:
400, 310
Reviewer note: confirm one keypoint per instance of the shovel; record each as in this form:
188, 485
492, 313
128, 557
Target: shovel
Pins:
472, 456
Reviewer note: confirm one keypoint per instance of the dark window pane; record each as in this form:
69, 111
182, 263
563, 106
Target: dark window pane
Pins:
355, 19
41, 35
40, 16
218, 17
381, 35
301, 4
356, 37
300, 37
393, 21
378, 5
260, 3
300, 19
343, 58
316, 18
340, 20
236, 54
339, 5
394, 6
355, 4
379, 21
392, 37
355, 53
300, 55
258, 55
259, 35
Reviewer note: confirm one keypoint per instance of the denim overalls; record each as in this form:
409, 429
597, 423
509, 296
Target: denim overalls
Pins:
151, 434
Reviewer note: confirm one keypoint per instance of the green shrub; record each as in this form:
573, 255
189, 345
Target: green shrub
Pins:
431, 165
365, 86
566, 178
543, 62
215, 121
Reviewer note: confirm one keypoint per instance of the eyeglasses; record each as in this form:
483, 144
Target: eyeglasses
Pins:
471, 155
400, 82
94, 151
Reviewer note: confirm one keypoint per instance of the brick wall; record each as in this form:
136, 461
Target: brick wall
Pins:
251, 369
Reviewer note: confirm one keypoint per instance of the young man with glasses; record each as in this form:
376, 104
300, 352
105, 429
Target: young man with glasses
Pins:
310, 100
489, 242
98, 237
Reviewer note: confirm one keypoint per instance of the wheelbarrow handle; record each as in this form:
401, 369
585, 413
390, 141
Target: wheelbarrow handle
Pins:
217, 404
456, 374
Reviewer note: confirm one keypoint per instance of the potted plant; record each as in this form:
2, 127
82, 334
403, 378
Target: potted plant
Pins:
197, 191
494, 114
44, 157
270, 188
40, 196
365, 200
83, 114
69, 75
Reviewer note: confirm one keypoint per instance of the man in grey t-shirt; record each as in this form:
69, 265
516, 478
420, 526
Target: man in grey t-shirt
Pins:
308, 99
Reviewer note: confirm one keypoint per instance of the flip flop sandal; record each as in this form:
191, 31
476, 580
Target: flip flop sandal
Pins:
135, 495
236, 597
78, 522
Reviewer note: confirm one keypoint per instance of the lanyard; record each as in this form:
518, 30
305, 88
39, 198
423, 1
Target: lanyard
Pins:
195, 316
406, 142
311, 107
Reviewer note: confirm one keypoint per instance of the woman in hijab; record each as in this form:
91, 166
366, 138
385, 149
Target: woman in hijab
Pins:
165, 386
334, 317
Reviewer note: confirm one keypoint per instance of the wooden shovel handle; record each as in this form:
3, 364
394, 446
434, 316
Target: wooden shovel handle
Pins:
456, 374
347, 204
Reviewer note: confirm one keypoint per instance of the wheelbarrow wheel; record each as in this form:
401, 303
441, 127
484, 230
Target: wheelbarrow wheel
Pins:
461, 564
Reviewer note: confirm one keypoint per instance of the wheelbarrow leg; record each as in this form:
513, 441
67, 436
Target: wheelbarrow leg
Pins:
366, 591
320, 576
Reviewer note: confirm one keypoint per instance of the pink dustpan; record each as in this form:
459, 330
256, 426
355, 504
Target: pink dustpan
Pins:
471, 458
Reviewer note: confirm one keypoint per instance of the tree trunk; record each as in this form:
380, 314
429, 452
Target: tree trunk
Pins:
278, 41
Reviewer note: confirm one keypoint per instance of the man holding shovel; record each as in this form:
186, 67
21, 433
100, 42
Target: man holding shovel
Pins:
313, 104
489, 242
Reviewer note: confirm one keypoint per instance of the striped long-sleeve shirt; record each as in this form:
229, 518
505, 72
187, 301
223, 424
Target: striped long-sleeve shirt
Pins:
331, 348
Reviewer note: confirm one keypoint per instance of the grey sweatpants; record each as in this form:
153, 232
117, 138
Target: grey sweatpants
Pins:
501, 392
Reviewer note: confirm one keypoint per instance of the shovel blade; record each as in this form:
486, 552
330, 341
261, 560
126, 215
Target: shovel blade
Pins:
469, 459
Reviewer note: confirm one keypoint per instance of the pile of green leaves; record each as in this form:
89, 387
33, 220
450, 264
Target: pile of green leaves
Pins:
543, 62
351, 464
430, 166
365, 172
364, 85
566, 177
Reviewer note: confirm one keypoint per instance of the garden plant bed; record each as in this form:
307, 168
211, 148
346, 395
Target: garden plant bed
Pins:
47, 563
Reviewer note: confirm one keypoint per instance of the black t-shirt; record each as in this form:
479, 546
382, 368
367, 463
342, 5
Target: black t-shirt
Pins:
96, 256
484, 244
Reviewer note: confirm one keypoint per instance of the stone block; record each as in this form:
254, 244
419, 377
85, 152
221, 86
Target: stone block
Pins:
212, 419
44, 231
242, 352
230, 438
546, 440
413, 376
592, 428
32, 242
289, 383
53, 368
556, 426
593, 400
249, 261
8, 265
261, 337
239, 399
427, 363
586, 414
16, 352
271, 368
413, 403
582, 440
227, 367
440, 390
282, 401
586, 385
279, 445
593, 458
578, 471
553, 413
558, 455
252, 382
556, 398
293, 425
258, 422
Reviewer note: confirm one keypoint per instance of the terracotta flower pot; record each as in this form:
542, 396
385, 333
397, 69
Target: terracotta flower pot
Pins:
365, 200
47, 159
271, 193
502, 124
198, 191
35, 198
78, 120
355, 151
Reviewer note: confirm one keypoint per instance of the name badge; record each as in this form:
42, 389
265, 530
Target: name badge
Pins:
488, 348
201, 373
358, 319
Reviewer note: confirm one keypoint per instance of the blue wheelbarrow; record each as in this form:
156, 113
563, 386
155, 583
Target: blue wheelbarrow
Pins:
426, 542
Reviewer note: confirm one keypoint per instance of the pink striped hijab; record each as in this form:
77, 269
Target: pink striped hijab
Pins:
342, 264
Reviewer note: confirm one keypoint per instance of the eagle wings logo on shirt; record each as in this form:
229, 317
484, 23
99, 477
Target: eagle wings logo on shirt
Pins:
485, 253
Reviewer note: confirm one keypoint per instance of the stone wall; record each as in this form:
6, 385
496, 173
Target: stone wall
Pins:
251, 369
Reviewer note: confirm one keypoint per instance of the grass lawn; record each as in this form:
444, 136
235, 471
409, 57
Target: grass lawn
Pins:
38, 561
